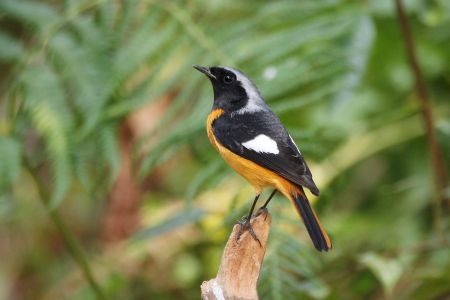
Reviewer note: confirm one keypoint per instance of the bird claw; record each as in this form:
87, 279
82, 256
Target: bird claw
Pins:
245, 225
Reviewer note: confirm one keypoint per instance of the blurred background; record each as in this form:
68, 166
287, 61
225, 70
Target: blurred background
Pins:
109, 188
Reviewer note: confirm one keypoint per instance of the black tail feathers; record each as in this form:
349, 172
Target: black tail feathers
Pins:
317, 234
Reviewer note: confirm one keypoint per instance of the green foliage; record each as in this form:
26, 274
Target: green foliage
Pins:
10, 163
334, 71
291, 268
388, 271
179, 220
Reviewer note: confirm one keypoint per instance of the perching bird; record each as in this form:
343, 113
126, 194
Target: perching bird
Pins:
254, 142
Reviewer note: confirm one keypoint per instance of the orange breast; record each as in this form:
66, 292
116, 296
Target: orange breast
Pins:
259, 177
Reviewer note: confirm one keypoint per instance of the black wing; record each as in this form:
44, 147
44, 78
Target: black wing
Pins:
232, 131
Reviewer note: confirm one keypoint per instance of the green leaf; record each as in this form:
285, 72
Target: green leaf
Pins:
359, 47
142, 45
44, 102
111, 153
387, 270
85, 75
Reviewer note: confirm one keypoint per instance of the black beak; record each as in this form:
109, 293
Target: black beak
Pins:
205, 70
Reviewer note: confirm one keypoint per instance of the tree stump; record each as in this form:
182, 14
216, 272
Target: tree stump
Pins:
241, 263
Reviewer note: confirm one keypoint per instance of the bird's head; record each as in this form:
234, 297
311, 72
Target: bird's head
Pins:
234, 92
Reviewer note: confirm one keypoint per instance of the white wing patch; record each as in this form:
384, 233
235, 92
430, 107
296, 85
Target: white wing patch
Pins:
262, 144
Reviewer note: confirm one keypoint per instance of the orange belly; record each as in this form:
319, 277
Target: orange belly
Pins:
259, 177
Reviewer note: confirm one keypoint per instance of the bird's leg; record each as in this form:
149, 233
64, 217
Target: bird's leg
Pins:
264, 207
245, 223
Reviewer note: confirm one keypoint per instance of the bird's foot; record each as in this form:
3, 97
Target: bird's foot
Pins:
245, 225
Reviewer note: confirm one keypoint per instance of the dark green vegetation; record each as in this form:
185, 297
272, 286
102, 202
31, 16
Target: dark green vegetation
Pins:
72, 73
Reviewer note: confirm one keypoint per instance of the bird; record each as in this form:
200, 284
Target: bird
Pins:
253, 141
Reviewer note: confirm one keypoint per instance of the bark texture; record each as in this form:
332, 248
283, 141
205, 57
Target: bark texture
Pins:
241, 263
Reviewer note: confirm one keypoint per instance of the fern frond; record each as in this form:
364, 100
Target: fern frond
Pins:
44, 102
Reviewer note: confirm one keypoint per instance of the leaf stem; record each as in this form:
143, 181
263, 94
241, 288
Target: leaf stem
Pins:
69, 238
438, 162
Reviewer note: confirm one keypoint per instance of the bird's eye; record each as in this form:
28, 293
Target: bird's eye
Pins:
228, 79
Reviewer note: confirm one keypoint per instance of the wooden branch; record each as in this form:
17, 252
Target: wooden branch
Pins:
437, 158
240, 265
